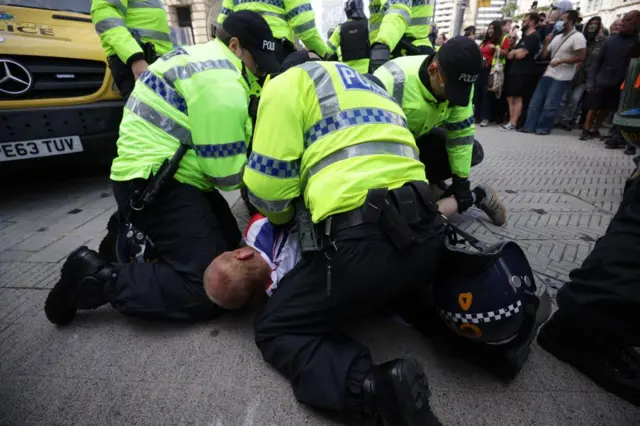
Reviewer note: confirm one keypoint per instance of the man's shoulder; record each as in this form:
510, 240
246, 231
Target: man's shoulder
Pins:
579, 39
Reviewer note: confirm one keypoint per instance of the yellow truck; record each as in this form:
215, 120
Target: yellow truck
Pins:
58, 101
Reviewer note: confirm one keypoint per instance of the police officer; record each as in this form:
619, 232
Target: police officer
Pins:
434, 91
132, 33
349, 43
196, 96
399, 28
345, 148
288, 19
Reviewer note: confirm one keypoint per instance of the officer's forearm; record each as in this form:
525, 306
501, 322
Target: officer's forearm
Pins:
391, 30
315, 43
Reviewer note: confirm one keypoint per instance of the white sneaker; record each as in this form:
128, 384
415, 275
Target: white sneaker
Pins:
508, 126
484, 123
492, 206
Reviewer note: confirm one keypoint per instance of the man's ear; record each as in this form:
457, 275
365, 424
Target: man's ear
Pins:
244, 253
234, 44
433, 68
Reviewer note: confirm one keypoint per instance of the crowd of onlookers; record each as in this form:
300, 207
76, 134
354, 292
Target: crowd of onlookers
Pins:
554, 72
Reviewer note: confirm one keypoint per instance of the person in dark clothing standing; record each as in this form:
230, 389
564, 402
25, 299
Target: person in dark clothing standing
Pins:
494, 48
573, 96
607, 74
521, 82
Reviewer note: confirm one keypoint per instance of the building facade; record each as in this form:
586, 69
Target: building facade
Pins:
445, 15
488, 14
608, 10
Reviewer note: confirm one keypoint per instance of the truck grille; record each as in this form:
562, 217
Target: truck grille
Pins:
58, 77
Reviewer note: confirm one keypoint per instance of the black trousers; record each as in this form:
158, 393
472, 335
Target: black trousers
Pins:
603, 295
189, 228
122, 76
482, 98
434, 155
300, 329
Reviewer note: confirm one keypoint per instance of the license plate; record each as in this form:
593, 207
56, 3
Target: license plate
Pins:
10, 151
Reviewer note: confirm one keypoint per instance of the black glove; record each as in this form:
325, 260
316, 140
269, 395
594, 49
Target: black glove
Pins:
379, 56
460, 188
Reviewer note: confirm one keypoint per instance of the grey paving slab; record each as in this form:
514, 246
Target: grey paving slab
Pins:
109, 369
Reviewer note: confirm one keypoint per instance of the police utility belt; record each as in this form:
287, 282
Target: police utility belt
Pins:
394, 212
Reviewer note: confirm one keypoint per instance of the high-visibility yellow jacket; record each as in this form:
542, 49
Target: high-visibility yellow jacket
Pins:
333, 48
285, 17
195, 95
388, 21
424, 112
393, 19
120, 22
420, 24
338, 135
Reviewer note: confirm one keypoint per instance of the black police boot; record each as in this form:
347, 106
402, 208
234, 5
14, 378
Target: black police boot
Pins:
397, 393
614, 368
82, 285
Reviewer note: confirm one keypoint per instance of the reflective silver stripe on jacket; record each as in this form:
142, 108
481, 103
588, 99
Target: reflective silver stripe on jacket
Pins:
183, 72
373, 27
326, 93
109, 23
463, 141
406, 15
152, 34
277, 15
398, 80
118, 5
364, 149
304, 27
232, 180
269, 206
151, 4
420, 21
159, 120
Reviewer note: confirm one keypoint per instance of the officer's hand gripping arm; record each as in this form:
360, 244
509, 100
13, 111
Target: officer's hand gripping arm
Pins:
108, 18
218, 116
301, 17
272, 174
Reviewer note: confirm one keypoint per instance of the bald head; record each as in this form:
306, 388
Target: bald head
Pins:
630, 21
233, 277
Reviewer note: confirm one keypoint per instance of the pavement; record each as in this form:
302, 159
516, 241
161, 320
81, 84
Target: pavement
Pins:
108, 369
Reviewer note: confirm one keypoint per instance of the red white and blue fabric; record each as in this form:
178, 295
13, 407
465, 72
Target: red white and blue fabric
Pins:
278, 245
